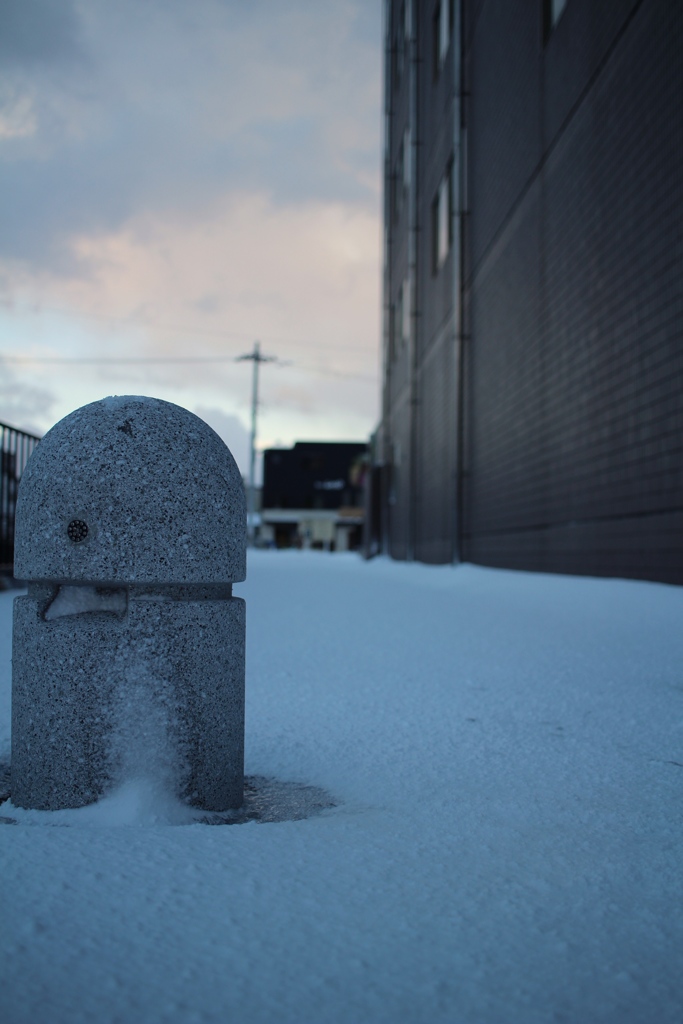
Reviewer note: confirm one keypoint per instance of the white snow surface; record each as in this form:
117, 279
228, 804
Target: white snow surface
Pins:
74, 600
506, 754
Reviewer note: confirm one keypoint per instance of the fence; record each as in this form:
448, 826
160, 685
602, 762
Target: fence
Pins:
15, 448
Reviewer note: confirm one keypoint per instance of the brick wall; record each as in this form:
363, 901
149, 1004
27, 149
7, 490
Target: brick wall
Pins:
574, 459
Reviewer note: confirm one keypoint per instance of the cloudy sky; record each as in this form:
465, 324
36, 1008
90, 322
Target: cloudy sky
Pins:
177, 181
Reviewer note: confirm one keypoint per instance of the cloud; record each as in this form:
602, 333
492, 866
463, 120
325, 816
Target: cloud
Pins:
38, 31
304, 273
24, 406
304, 279
17, 117
186, 179
162, 106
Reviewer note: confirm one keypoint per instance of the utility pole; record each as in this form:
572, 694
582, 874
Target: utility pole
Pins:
256, 358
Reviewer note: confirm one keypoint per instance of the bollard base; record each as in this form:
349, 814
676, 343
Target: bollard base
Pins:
99, 697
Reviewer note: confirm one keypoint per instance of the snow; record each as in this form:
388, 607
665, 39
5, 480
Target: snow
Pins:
505, 751
121, 401
74, 600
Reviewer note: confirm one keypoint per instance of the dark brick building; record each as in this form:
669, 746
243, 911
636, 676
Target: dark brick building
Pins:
533, 350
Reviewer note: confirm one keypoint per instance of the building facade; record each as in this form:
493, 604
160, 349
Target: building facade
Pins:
312, 496
532, 413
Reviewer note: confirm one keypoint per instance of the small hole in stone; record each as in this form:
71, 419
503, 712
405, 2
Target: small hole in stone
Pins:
77, 530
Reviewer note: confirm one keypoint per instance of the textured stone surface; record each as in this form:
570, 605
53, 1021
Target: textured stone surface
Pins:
158, 490
99, 697
128, 653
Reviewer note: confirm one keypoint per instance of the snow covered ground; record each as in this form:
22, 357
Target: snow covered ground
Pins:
506, 755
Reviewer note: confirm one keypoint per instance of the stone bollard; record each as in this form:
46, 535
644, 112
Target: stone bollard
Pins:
128, 652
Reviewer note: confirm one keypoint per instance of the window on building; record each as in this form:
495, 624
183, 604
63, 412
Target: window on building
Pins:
405, 312
392, 332
402, 175
552, 11
442, 220
399, 48
407, 18
396, 63
398, 321
442, 30
556, 8
407, 159
399, 182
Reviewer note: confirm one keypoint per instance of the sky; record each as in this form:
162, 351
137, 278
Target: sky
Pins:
178, 181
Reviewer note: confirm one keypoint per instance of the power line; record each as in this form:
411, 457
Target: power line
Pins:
326, 372
169, 360
117, 359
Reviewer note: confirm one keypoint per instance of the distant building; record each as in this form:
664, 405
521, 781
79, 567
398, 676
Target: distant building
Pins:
532, 412
313, 496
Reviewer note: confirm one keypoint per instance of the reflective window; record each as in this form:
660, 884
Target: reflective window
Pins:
442, 30
405, 312
552, 11
442, 220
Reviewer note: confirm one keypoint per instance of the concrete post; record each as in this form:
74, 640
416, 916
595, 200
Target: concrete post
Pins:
128, 652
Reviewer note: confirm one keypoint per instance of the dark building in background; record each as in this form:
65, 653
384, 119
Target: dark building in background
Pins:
312, 495
533, 288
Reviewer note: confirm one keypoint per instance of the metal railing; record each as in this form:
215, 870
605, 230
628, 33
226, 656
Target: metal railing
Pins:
15, 449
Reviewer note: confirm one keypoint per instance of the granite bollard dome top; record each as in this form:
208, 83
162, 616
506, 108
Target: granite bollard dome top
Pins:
131, 490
